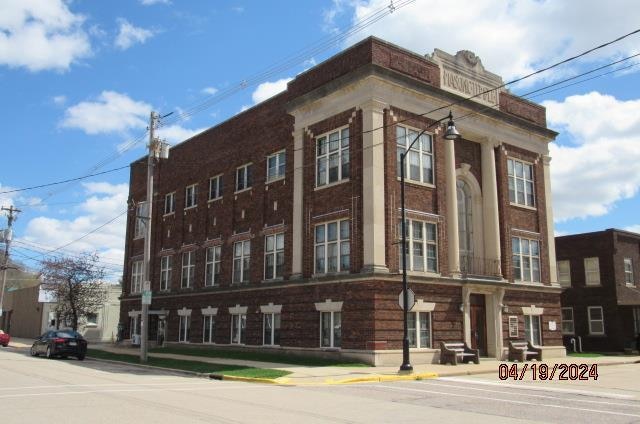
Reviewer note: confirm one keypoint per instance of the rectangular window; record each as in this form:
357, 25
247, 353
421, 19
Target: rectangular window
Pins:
183, 331
564, 273
165, 272
332, 157
209, 329
271, 329
137, 274
238, 328
141, 219
532, 329
421, 248
636, 319
215, 187
592, 271
567, 321
273, 256
628, 271
521, 190
212, 267
419, 329
244, 179
526, 259
513, 326
169, 203
419, 159
276, 164
241, 261
596, 320
330, 329
134, 326
92, 319
188, 268
332, 248
191, 196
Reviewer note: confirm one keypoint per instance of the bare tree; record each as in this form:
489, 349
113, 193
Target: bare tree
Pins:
77, 285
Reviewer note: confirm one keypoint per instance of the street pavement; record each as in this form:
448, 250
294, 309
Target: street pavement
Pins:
70, 391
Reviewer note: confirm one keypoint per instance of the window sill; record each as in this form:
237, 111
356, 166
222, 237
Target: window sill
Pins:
330, 274
344, 180
243, 190
528, 283
190, 207
527, 207
214, 199
211, 286
272, 280
169, 214
417, 183
273, 180
632, 285
330, 349
271, 346
420, 273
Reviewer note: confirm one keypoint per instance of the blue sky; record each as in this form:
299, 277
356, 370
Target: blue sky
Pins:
79, 78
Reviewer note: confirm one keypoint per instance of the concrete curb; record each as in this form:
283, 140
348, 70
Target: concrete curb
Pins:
280, 380
153, 367
378, 378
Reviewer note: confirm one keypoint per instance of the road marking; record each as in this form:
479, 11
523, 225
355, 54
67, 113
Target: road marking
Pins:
519, 402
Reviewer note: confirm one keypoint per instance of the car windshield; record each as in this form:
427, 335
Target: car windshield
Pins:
67, 334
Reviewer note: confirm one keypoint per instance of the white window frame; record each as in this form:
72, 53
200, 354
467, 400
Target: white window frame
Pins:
413, 244
212, 266
215, 187
592, 321
528, 328
513, 326
278, 171
332, 330
628, 272
184, 329
191, 196
188, 269
564, 273
404, 136
528, 184
208, 329
591, 275
532, 259
137, 275
324, 153
139, 228
91, 322
274, 271
566, 322
324, 246
418, 317
242, 258
244, 177
271, 339
170, 203
165, 272
239, 327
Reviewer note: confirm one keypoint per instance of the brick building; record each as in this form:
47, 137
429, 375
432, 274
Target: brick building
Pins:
601, 300
279, 227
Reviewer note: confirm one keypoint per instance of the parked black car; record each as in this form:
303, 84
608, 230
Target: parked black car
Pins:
60, 343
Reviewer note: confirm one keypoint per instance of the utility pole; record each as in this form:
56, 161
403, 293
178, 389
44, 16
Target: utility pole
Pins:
7, 242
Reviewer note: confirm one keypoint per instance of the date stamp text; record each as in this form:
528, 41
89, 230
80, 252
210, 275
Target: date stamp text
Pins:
544, 372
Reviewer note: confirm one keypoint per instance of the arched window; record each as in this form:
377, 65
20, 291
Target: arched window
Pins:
465, 220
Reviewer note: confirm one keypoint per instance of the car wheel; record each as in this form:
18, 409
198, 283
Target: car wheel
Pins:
49, 355
80, 357
34, 352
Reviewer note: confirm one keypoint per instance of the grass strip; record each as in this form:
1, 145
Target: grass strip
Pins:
195, 366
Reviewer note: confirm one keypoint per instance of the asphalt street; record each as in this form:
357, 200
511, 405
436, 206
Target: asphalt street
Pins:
70, 391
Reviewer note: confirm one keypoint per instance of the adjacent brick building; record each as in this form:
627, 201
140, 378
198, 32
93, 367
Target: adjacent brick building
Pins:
279, 227
601, 301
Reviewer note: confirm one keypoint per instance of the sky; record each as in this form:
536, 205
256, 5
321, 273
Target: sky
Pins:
79, 78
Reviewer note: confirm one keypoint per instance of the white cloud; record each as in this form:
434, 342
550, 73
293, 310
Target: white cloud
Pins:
128, 35
592, 174
59, 100
269, 89
210, 90
634, 228
176, 134
152, 2
41, 35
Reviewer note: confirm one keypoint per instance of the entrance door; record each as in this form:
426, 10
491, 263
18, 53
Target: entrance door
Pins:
478, 315
161, 331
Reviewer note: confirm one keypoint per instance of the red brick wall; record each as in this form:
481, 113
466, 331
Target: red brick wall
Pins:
516, 299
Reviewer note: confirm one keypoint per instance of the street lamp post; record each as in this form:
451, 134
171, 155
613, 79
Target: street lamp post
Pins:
450, 134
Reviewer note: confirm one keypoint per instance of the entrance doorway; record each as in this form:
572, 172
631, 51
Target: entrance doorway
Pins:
162, 329
478, 318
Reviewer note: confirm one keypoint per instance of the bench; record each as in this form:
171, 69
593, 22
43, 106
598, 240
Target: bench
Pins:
454, 353
523, 351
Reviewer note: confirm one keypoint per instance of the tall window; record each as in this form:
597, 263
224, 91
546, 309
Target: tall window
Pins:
419, 160
332, 248
241, 261
169, 203
567, 321
212, 267
244, 179
276, 164
215, 187
532, 329
520, 182
134, 326
628, 271
465, 227
596, 320
137, 274
209, 329
273, 256
183, 331
421, 248
141, 219
332, 157
238, 327
592, 271
564, 273
165, 272
191, 196
419, 329
271, 329
636, 319
330, 329
526, 259
188, 268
